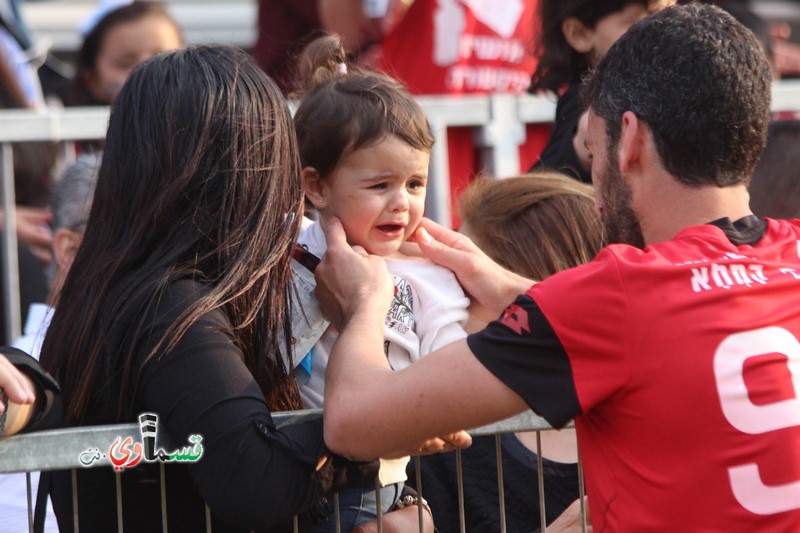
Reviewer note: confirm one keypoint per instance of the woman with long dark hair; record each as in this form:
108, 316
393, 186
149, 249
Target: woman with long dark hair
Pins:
177, 302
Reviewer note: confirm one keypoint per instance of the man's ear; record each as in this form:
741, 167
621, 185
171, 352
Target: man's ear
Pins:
629, 149
578, 36
65, 246
314, 187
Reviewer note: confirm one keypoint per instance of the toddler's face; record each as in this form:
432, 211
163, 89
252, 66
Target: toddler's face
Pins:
378, 192
123, 47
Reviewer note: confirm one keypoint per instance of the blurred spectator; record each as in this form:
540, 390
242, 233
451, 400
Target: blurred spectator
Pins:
33, 164
284, 28
22, 69
33, 161
775, 187
574, 35
115, 43
72, 198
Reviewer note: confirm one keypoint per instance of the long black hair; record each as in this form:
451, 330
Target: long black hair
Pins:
200, 179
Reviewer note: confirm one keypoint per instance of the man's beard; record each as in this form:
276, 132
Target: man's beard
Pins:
619, 220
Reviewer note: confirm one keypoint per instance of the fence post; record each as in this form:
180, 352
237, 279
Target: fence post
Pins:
11, 299
501, 136
437, 202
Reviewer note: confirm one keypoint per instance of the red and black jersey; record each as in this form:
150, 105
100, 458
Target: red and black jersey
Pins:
681, 366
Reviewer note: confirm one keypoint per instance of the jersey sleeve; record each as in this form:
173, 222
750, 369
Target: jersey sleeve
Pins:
555, 344
523, 351
588, 309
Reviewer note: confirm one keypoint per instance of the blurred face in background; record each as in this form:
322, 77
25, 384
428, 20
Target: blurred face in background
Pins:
126, 45
611, 27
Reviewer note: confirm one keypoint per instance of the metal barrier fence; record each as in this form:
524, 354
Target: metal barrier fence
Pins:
63, 449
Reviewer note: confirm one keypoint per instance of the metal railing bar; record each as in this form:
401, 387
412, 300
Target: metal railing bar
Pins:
60, 449
54, 124
162, 477
462, 526
519, 423
461, 111
418, 474
75, 518
582, 493
378, 506
501, 494
540, 481
10, 268
536, 109
29, 491
118, 484
785, 95
337, 514
91, 123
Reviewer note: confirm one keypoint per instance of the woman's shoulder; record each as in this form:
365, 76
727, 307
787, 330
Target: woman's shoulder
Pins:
161, 301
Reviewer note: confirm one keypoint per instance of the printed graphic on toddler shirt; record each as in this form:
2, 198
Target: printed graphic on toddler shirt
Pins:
401, 311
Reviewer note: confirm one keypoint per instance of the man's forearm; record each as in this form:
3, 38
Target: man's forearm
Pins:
354, 369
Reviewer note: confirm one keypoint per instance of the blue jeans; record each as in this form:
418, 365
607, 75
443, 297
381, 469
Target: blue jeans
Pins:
357, 506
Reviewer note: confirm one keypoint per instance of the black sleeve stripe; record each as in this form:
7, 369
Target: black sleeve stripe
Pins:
529, 359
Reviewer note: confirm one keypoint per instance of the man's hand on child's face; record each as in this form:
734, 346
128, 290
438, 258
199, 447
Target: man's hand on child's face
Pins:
350, 280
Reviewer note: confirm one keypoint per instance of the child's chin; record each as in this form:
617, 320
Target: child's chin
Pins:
385, 249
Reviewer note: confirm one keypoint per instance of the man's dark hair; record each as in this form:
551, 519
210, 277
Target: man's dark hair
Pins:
700, 81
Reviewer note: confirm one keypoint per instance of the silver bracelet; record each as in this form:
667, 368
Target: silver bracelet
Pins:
408, 500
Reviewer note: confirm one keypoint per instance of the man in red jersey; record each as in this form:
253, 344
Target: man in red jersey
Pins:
677, 350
